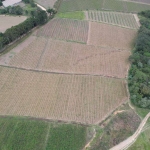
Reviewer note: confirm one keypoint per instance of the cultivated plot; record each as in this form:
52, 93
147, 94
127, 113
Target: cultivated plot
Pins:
76, 58
66, 57
77, 5
46, 3
113, 5
21, 133
140, 1
111, 36
9, 21
124, 6
66, 29
28, 57
85, 99
115, 18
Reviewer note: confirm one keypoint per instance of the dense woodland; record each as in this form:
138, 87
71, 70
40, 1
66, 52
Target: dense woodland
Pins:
139, 74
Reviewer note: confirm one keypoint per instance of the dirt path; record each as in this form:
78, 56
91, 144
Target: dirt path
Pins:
89, 143
137, 19
41, 7
129, 141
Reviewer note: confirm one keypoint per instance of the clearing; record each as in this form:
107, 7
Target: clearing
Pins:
9, 21
77, 98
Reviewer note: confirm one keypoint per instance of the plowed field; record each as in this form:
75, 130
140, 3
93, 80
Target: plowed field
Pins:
85, 99
66, 57
66, 29
111, 36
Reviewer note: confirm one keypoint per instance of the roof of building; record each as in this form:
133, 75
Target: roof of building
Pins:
7, 3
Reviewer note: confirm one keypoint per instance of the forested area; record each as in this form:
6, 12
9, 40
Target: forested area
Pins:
139, 74
39, 17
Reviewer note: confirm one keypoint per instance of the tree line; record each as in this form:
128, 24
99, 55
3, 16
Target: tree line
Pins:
15, 32
139, 74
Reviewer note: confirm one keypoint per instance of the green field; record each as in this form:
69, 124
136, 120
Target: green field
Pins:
77, 5
72, 15
110, 5
30, 134
66, 137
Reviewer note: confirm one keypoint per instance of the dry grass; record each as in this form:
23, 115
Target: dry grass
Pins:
111, 36
85, 99
9, 21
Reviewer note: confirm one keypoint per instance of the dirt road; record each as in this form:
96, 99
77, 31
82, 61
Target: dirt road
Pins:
129, 141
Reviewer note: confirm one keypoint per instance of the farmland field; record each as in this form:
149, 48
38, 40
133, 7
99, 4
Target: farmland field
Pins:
124, 6
30, 134
72, 15
113, 5
111, 36
115, 18
77, 98
140, 1
46, 3
66, 57
66, 29
77, 5
9, 21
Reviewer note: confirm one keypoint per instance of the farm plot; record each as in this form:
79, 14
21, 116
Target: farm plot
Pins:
46, 3
9, 21
111, 36
124, 6
28, 57
140, 1
66, 57
76, 98
115, 18
77, 5
20, 133
82, 59
66, 29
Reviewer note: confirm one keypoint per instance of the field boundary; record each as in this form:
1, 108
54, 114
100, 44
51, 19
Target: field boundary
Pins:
63, 73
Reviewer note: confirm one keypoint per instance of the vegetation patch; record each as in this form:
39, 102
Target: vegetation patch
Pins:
72, 15
26, 134
120, 126
139, 74
16, 134
68, 137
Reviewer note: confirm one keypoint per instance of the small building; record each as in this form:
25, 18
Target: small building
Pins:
7, 3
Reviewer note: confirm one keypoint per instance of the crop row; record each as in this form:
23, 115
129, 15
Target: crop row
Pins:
115, 18
60, 97
65, 29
